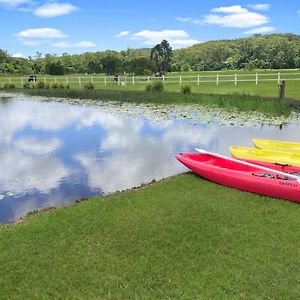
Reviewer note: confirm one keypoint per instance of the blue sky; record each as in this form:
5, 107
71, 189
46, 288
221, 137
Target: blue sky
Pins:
77, 26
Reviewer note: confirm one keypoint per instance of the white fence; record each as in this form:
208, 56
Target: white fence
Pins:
216, 79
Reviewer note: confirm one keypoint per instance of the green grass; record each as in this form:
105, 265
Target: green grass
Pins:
242, 102
263, 88
180, 238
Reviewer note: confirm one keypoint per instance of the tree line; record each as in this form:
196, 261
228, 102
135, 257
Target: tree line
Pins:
275, 51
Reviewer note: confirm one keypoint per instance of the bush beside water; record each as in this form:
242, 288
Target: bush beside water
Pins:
155, 86
89, 86
186, 89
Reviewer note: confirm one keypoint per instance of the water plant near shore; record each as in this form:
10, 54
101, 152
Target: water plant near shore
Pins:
241, 102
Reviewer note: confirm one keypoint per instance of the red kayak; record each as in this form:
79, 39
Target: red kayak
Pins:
252, 178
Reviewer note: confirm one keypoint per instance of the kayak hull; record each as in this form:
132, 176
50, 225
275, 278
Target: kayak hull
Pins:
273, 145
280, 157
246, 178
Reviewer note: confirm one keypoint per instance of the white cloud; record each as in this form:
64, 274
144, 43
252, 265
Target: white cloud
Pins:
18, 55
36, 146
150, 37
122, 34
265, 29
82, 44
41, 33
55, 9
38, 36
260, 6
185, 43
180, 19
14, 3
235, 9
298, 13
235, 17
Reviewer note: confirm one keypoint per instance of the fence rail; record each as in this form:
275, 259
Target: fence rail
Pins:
180, 79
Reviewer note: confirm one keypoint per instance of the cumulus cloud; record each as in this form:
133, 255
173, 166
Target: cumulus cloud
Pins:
54, 9
41, 33
260, 6
18, 55
235, 17
81, 44
180, 19
151, 37
14, 3
234, 9
39, 36
122, 34
265, 29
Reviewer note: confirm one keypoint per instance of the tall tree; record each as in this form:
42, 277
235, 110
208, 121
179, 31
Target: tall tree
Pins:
161, 55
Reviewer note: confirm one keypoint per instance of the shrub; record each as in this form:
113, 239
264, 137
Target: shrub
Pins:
47, 86
148, 87
88, 86
186, 89
40, 85
156, 86
9, 86
61, 86
26, 85
67, 87
54, 86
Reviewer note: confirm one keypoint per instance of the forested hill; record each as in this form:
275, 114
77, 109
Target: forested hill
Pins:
275, 51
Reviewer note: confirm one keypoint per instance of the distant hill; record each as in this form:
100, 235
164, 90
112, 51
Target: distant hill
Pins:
274, 51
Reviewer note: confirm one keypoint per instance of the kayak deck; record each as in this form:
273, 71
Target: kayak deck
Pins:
266, 155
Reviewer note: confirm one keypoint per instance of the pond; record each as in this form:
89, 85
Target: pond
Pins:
52, 153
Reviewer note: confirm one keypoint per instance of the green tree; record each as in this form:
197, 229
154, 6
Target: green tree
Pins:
161, 55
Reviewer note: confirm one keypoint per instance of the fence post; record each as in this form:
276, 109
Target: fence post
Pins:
92, 80
198, 79
148, 78
133, 80
104, 80
163, 78
180, 79
55, 79
217, 79
44, 79
67, 80
79, 80
235, 79
282, 89
256, 78
22, 81
9, 80
278, 78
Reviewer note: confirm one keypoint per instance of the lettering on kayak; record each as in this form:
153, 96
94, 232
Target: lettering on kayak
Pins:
288, 183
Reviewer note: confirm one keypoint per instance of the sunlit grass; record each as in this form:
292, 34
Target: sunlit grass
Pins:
181, 238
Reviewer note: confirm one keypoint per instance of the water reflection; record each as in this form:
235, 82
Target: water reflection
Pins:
54, 153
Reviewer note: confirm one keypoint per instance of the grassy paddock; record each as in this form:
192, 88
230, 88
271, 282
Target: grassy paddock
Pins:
242, 102
263, 88
181, 238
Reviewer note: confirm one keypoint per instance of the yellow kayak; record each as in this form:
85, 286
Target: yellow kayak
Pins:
266, 155
284, 146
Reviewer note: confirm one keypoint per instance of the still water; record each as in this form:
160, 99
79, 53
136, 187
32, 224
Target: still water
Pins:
54, 153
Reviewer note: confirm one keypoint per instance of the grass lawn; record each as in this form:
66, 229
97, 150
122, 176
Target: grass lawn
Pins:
263, 88
181, 238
